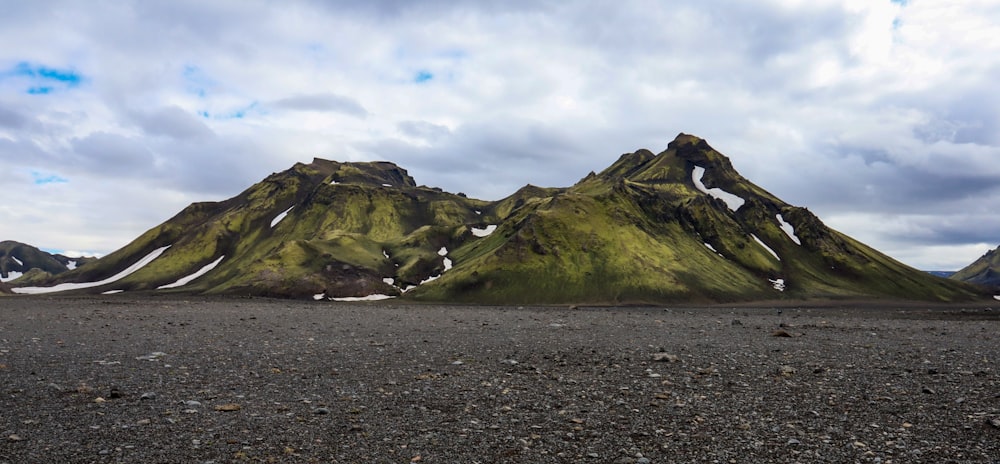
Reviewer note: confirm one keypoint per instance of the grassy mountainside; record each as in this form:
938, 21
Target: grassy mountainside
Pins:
984, 271
681, 225
35, 265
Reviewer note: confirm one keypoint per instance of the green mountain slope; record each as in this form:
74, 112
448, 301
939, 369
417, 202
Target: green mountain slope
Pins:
26, 264
983, 271
682, 225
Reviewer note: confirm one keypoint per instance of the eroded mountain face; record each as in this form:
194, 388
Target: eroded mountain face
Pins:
983, 271
681, 225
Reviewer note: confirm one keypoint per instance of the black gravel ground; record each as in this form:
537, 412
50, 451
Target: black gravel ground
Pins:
151, 379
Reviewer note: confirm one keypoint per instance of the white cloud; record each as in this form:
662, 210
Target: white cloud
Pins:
857, 109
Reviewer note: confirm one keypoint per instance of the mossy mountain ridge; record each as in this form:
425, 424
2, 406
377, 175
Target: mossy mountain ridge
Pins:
983, 271
681, 225
26, 263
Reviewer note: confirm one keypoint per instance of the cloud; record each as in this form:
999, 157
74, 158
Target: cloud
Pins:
174, 122
11, 119
321, 102
872, 114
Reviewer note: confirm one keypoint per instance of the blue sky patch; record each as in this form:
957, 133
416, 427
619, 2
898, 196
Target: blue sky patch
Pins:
41, 178
43, 80
422, 76
198, 82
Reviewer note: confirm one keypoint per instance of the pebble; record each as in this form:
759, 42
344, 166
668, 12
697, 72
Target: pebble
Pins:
14, 437
148, 396
321, 411
665, 357
792, 441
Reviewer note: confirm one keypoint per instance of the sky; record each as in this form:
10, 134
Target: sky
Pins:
880, 116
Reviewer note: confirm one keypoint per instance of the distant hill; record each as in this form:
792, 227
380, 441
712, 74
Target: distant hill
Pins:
983, 271
18, 259
678, 226
942, 274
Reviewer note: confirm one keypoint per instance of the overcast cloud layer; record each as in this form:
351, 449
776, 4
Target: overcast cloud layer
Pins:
880, 116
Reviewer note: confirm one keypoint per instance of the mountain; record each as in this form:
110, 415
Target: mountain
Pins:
679, 226
984, 271
29, 264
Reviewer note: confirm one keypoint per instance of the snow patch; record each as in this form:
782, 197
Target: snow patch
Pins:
11, 275
386, 254
112, 292
281, 216
778, 284
732, 201
789, 229
484, 232
447, 266
996, 297
76, 286
389, 280
18, 261
71, 265
334, 183
376, 297
769, 250
185, 280
319, 296
387, 185
479, 212
710, 247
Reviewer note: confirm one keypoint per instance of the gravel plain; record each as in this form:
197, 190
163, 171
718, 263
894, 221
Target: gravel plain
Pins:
147, 379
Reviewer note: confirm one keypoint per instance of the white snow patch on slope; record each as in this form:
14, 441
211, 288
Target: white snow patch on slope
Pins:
387, 185
18, 261
789, 229
11, 275
386, 254
447, 262
376, 297
484, 232
112, 292
710, 247
732, 201
281, 216
769, 250
71, 265
389, 280
200, 272
76, 286
996, 297
319, 296
778, 284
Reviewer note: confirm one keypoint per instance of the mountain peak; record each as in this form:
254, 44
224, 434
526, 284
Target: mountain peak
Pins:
379, 173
